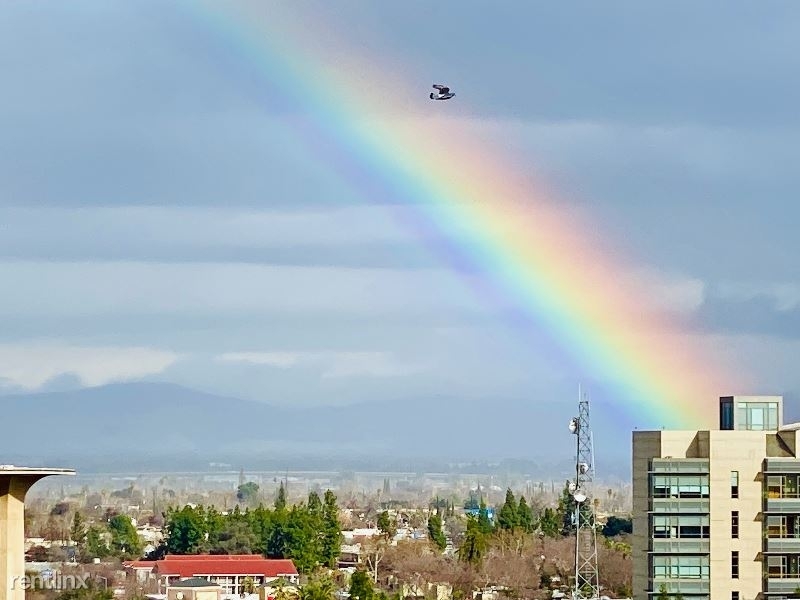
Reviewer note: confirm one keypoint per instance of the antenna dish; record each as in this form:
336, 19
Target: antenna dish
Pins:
579, 497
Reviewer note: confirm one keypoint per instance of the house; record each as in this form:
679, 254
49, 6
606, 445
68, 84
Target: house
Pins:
194, 588
229, 571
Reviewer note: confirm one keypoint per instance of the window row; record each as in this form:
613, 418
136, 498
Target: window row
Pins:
782, 566
783, 526
757, 416
680, 567
680, 486
680, 526
782, 486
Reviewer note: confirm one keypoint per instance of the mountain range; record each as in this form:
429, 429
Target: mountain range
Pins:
166, 427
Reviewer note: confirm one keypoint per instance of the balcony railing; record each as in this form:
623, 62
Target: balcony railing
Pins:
782, 583
787, 543
682, 586
783, 505
680, 505
772, 465
680, 546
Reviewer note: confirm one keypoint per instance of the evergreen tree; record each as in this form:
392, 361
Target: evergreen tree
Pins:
435, 532
386, 524
507, 517
474, 545
332, 530
280, 501
96, 546
484, 522
125, 542
550, 524
361, 586
77, 532
525, 515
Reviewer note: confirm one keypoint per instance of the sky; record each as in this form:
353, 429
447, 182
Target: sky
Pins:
161, 218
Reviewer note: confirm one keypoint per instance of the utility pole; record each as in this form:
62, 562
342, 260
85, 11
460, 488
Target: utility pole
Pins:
587, 581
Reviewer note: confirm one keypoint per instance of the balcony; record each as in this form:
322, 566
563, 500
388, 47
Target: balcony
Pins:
682, 586
778, 466
680, 505
680, 546
782, 584
683, 465
783, 506
783, 545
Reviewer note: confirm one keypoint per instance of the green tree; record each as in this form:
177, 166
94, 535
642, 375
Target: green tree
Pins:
435, 532
361, 587
484, 522
301, 539
331, 531
125, 542
550, 523
507, 517
96, 546
474, 546
280, 500
247, 492
386, 524
615, 526
319, 588
236, 537
185, 531
525, 515
566, 510
77, 533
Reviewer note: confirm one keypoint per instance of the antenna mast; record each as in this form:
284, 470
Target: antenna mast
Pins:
587, 581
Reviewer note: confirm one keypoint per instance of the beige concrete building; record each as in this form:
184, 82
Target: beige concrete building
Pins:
716, 514
14, 485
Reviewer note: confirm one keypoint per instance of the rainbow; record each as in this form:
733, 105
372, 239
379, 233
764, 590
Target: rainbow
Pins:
483, 214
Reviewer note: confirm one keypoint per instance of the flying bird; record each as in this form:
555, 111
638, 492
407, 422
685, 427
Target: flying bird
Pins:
444, 93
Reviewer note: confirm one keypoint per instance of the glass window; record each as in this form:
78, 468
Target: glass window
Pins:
726, 416
735, 524
775, 526
772, 416
680, 567
734, 484
734, 595
735, 564
776, 566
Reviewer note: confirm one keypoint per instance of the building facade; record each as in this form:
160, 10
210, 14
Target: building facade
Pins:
716, 514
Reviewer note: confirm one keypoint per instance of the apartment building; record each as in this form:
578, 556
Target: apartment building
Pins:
717, 512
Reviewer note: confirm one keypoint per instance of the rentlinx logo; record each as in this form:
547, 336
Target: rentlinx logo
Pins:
50, 580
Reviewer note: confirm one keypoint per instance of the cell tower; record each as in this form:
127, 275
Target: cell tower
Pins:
587, 581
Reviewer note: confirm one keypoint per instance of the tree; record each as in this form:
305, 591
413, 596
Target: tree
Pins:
77, 532
525, 515
373, 550
247, 492
186, 530
248, 585
280, 500
507, 517
321, 588
386, 524
550, 523
331, 531
96, 546
361, 586
484, 522
474, 545
125, 542
435, 532
615, 526
236, 537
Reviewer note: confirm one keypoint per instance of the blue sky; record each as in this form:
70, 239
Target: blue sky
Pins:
160, 220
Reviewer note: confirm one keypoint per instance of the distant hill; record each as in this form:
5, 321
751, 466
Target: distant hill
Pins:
168, 427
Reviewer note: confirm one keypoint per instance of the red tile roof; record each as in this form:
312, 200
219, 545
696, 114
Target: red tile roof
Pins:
224, 564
